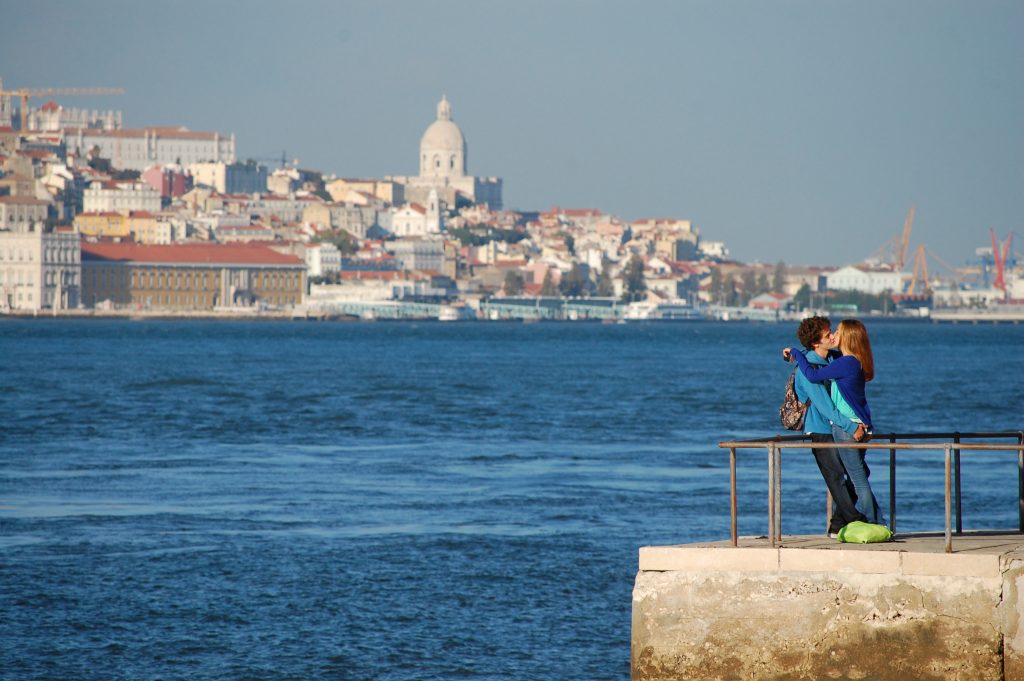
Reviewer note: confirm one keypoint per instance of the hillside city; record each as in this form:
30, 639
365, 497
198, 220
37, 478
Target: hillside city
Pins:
99, 218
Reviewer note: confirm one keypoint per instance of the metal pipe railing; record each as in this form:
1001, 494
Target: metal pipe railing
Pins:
951, 445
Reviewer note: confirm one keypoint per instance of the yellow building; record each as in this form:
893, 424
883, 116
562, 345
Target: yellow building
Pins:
190, 276
107, 224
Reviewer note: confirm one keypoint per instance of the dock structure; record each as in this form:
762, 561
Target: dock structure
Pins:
811, 608
778, 606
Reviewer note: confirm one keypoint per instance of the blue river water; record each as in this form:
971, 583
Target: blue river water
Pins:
285, 500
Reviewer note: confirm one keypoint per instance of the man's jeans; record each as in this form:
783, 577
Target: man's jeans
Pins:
843, 509
857, 470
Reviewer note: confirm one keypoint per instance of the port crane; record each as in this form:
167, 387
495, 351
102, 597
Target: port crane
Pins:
1000, 256
25, 93
894, 251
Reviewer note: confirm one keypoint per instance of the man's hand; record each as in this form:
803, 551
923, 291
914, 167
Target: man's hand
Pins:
862, 434
787, 354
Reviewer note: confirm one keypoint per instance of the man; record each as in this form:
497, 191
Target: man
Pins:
815, 334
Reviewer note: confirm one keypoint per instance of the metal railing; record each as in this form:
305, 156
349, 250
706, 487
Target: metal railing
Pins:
950, 443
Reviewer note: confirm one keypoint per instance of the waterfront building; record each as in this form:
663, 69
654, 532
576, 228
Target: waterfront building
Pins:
38, 270
138, 149
107, 196
230, 178
189, 276
864, 280
443, 167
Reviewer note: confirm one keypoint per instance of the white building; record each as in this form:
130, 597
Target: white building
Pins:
140, 149
443, 167
39, 270
20, 213
52, 117
866, 281
419, 254
117, 197
416, 220
322, 260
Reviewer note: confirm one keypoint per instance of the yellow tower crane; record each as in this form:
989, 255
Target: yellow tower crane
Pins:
25, 93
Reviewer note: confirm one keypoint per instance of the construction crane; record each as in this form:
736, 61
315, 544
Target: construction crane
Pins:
1000, 259
895, 250
920, 272
25, 93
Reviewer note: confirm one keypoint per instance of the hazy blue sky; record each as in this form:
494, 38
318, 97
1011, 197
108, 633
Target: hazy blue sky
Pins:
800, 131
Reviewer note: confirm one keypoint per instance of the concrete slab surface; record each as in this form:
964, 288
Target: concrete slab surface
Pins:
975, 554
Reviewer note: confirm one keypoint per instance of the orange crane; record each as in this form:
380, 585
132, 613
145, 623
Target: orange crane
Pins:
901, 257
895, 249
920, 271
25, 93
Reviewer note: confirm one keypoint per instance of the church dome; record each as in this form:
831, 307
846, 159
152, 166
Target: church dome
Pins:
442, 147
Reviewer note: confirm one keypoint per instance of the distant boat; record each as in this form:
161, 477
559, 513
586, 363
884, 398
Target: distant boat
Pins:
456, 313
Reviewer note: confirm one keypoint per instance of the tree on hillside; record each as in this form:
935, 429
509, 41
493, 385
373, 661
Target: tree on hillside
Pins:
802, 299
633, 279
762, 284
575, 282
779, 277
716, 288
513, 283
342, 240
548, 288
605, 287
749, 283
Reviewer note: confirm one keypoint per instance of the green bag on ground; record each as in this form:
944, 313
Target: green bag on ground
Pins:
859, 532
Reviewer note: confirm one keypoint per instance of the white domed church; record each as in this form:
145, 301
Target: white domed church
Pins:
443, 168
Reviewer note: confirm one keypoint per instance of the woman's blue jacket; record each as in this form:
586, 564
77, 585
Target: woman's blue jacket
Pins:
847, 374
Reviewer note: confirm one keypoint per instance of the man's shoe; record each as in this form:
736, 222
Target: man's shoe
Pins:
833, 535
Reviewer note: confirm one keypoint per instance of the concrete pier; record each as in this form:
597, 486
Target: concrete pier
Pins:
813, 608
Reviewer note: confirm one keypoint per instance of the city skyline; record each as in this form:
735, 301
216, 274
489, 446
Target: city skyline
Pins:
794, 131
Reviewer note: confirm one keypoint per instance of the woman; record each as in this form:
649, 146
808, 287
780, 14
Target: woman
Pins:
849, 374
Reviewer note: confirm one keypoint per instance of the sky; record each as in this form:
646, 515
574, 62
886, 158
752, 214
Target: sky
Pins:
800, 131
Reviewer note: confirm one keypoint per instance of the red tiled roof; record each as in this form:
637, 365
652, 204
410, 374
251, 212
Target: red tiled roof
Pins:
221, 254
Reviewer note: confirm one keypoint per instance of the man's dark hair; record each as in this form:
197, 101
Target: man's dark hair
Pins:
810, 330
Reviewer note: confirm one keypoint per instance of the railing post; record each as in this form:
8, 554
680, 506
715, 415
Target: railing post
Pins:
1020, 481
732, 492
778, 494
892, 484
949, 504
771, 495
956, 471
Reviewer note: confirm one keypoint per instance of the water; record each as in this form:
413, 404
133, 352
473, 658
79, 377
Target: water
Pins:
413, 501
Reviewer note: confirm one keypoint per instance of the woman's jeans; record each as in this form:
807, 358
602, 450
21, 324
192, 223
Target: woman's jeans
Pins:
857, 470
